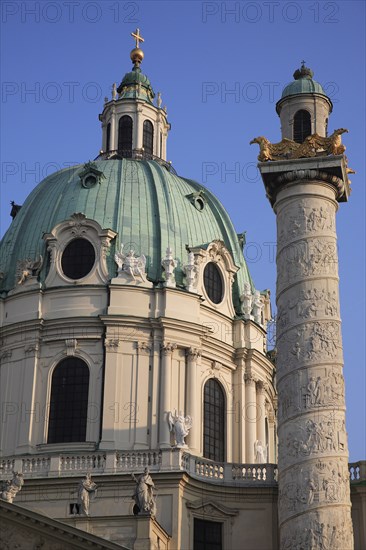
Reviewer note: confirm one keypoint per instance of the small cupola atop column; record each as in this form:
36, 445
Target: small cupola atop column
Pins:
132, 125
304, 107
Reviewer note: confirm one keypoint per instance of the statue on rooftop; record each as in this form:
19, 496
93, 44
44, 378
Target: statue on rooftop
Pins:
87, 488
11, 488
143, 495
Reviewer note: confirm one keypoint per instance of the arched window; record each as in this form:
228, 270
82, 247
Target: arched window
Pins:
69, 402
125, 135
214, 421
148, 137
302, 125
108, 143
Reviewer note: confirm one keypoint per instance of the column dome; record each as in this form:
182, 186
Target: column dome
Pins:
303, 84
304, 107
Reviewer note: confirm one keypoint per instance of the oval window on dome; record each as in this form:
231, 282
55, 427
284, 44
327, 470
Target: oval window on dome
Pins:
78, 259
212, 280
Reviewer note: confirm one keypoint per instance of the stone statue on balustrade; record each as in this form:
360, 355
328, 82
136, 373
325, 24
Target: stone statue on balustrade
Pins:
260, 452
144, 496
247, 300
258, 306
169, 264
11, 488
180, 425
130, 265
87, 491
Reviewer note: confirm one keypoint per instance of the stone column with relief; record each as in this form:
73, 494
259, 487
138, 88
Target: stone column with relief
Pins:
314, 489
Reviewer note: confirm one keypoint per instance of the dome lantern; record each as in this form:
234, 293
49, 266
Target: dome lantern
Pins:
304, 107
132, 125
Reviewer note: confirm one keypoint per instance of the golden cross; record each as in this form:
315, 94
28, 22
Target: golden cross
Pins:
136, 35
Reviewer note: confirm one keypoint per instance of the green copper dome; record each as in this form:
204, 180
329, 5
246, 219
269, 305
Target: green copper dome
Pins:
303, 84
149, 207
136, 85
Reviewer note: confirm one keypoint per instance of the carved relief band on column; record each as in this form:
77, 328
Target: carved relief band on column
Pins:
307, 389
312, 341
306, 258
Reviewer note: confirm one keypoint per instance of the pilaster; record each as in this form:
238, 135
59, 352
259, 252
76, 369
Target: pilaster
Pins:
250, 418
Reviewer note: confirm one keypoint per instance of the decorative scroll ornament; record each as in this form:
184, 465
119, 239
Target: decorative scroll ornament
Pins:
312, 146
11, 488
169, 264
28, 268
134, 266
87, 489
180, 425
143, 495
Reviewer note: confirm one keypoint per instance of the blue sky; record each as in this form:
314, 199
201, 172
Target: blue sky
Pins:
221, 67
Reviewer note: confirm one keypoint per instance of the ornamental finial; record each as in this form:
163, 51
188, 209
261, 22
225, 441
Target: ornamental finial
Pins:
137, 55
303, 72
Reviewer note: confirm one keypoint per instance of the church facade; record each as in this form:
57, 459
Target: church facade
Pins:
141, 407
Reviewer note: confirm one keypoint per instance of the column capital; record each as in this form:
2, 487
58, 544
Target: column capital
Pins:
143, 346
328, 169
261, 387
193, 353
167, 348
249, 379
111, 344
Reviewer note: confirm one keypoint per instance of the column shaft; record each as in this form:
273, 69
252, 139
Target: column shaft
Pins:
250, 418
261, 414
192, 401
165, 393
314, 491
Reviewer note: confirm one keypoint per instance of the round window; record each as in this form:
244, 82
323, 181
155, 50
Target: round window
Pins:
199, 204
89, 182
78, 258
213, 283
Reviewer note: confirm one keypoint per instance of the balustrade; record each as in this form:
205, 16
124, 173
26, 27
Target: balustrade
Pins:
132, 460
157, 460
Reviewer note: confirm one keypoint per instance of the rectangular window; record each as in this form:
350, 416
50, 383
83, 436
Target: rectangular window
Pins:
207, 535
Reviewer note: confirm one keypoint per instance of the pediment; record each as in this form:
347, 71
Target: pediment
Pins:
29, 530
212, 509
